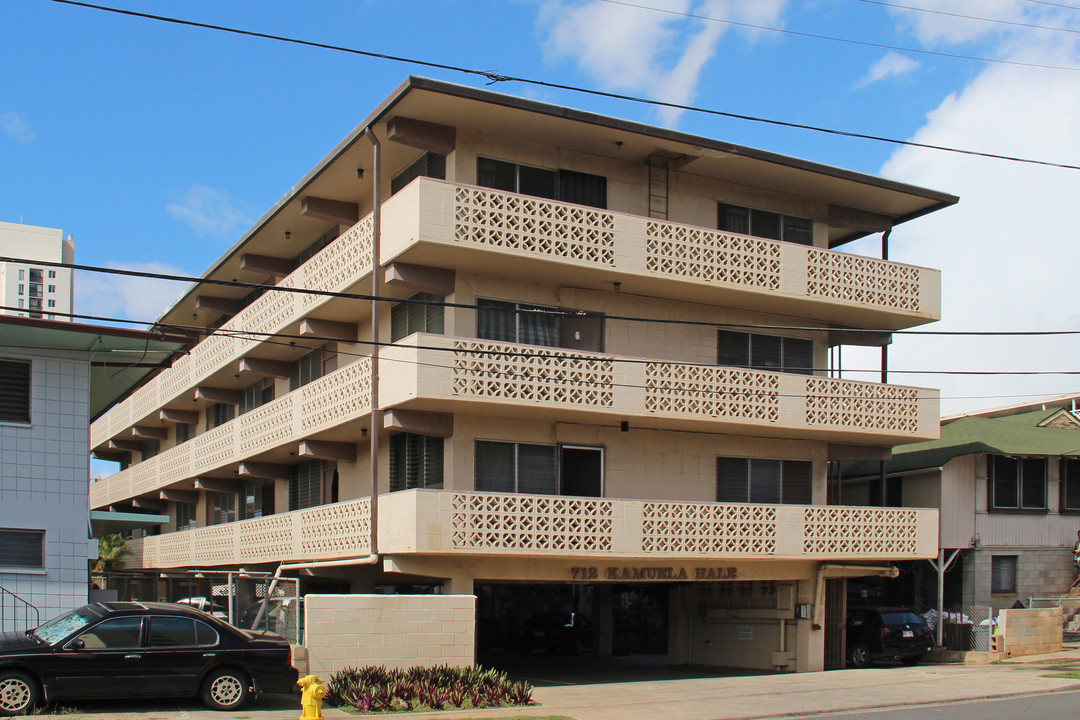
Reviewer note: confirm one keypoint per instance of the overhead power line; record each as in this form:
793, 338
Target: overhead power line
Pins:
524, 311
495, 77
995, 21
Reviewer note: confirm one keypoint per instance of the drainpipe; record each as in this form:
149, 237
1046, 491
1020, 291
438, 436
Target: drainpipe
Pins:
373, 542
884, 367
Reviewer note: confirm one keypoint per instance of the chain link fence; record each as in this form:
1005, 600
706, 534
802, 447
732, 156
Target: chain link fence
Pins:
1070, 614
967, 627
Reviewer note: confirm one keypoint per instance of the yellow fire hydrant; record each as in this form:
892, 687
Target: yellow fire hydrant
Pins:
311, 697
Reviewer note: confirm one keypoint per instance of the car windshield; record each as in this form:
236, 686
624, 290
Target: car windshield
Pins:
59, 628
901, 618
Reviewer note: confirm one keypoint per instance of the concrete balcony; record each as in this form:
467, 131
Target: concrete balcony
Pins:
435, 522
481, 377
473, 229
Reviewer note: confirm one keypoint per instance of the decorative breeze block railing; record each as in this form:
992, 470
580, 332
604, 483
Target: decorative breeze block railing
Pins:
869, 281
714, 392
687, 251
531, 373
879, 532
521, 223
708, 528
533, 523
843, 403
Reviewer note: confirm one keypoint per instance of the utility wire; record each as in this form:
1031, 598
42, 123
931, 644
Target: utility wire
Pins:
293, 340
495, 77
531, 310
969, 17
849, 41
1054, 4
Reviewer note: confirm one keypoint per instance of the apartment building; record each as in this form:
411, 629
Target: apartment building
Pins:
27, 287
595, 368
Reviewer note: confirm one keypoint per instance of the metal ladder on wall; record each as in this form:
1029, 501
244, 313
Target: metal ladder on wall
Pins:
16, 614
658, 187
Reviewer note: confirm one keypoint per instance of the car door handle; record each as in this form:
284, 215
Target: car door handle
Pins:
209, 654
132, 657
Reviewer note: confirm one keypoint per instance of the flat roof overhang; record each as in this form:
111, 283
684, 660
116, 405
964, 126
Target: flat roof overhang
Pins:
105, 522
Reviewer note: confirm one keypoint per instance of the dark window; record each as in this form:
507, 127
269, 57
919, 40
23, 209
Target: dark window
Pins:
35, 275
311, 367
765, 352
172, 632
1003, 574
22, 548
515, 467
52, 274
1070, 484
564, 185
765, 224
184, 432
763, 481
222, 507
219, 414
432, 165
517, 323
115, 633
305, 488
148, 448
14, 391
256, 499
416, 461
185, 516
411, 317
1017, 483
258, 393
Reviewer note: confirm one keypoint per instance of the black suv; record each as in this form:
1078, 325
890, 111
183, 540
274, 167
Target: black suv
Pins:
886, 633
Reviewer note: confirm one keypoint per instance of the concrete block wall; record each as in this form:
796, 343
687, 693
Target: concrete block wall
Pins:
1042, 572
391, 630
1031, 632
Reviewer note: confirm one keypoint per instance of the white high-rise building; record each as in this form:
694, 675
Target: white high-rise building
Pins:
30, 288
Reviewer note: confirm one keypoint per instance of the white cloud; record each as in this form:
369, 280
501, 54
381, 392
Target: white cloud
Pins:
660, 54
893, 64
127, 297
210, 212
1008, 250
17, 127
943, 26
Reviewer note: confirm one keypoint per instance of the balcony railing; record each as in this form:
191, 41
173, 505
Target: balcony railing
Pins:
463, 220
435, 522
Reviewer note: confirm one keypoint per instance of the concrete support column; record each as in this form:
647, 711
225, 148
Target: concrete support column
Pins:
460, 583
809, 643
680, 626
604, 622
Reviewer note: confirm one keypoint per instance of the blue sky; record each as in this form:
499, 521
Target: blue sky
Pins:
157, 145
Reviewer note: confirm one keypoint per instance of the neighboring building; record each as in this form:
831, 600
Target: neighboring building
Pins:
1007, 481
29, 288
54, 377
601, 383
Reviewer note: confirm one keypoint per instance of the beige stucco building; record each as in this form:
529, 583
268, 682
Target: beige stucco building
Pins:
602, 363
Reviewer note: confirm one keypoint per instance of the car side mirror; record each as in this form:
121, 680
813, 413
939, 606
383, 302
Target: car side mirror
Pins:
76, 644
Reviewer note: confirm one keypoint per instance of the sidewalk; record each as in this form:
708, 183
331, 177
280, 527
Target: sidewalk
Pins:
725, 698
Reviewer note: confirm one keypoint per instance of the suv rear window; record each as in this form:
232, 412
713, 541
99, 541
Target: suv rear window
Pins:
901, 618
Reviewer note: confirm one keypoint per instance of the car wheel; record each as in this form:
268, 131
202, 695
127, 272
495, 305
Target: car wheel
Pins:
911, 660
18, 694
860, 656
225, 689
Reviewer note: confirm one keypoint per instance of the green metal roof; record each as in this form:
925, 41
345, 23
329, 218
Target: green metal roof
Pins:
1018, 435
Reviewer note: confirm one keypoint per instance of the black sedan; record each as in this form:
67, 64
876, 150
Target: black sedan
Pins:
140, 649
886, 633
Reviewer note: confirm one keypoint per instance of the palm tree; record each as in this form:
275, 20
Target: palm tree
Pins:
111, 553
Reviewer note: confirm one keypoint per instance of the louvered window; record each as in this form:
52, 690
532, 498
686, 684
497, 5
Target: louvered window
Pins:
432, 165
759, 480
184, 432
765, 224
1070, 484
222, 507
312, 366
14, 391
258, 393
1003, 574
565, 185
416, 461
256, 499
1017, 483
22, 548
305, 488
765, 352
185, 516
517, 323
515, 467
425, 315
219, 414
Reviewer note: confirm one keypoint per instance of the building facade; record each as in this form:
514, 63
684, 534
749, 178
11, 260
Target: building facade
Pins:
53, 379
1007, 483
594, 374
27, 287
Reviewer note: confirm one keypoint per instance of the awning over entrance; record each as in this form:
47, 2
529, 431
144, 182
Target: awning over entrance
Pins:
103, 522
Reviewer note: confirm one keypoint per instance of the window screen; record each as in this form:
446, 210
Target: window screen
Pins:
1003, 574
515, 467
1017, 483
14, 391
22, 548
765, 352
762, 480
